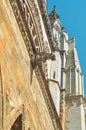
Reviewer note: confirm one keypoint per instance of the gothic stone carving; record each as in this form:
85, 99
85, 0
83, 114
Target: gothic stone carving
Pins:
40, 75
42, 57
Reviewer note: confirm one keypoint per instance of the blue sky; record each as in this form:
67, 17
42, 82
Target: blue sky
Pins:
73, 18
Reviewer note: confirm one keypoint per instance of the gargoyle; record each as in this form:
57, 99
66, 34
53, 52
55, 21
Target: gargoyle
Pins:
42, 57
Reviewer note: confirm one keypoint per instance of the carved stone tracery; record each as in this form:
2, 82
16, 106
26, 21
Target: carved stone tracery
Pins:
28, 36
46, 21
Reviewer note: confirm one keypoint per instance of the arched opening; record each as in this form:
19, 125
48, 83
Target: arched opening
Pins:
17, 124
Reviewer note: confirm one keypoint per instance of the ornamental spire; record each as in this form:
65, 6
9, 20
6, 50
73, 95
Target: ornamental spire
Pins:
53, 15
54, 8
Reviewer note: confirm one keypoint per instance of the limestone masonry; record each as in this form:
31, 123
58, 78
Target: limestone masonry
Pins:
41, 81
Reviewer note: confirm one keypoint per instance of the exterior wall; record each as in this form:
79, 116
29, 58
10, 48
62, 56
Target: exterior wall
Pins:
75, 114
56, 68
85, 122
55, 80
55, 92
21, 90
71, 81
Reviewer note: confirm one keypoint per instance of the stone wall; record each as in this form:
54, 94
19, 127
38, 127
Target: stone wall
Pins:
21, 90
75, 113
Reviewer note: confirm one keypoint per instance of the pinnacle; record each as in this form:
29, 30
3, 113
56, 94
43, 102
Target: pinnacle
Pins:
54, 8
54, 14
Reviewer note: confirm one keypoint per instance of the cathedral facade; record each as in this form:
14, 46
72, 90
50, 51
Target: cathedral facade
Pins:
41, 81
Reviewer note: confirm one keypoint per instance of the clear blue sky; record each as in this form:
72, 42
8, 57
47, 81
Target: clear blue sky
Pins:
73, 18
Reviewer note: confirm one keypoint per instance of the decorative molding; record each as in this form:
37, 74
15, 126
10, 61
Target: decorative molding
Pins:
48, 99
30, 27
46, 21
28, 39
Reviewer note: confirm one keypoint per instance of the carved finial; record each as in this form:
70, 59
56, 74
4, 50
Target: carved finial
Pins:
54, 8
53, 15
54, 12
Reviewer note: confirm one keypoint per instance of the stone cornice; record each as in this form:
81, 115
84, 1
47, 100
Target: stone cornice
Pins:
28, 40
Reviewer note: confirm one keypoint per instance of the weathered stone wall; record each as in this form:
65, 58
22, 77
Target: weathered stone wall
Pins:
75, 113
20, 88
